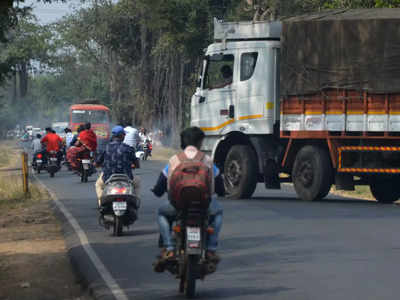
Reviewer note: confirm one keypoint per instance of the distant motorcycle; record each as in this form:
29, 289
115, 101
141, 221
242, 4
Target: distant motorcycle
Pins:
86, 167
147, 148
190, 232
53, 165
39, 162
119, 204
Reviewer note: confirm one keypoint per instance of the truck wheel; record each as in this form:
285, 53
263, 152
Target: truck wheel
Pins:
312, 173
386, 191
240, 172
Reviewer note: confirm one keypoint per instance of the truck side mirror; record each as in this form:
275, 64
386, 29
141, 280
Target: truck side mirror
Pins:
231, 111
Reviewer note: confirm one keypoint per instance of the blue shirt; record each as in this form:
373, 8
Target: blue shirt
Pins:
117, 158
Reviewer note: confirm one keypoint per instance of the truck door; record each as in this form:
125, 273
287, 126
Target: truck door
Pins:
213, 103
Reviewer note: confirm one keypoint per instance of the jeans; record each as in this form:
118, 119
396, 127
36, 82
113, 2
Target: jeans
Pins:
167, 212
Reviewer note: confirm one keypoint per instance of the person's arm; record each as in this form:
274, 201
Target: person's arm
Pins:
218, 182
162, 183
219, 185
100, 159
44, 140
161, 186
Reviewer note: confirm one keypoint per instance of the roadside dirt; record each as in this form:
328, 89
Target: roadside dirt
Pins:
33, 259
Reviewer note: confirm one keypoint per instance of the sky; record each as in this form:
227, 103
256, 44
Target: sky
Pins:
51, 12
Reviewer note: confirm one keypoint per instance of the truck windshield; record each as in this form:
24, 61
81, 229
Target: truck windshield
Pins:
92, 116
219, 73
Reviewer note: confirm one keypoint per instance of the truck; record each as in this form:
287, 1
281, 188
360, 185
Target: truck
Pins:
313, 100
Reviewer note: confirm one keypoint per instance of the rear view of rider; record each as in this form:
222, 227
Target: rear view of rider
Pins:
191, 141
117, 158
53, 142
37, 146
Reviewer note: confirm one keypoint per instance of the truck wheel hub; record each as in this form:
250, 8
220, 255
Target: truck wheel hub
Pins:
306, 174
234, 173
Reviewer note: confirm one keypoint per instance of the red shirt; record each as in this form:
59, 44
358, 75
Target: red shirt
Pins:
52, 142
89, 139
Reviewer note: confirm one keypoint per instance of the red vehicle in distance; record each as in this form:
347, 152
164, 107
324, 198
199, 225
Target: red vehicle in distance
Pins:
98, 115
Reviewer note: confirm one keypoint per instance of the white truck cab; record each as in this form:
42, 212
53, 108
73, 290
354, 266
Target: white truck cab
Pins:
236, 102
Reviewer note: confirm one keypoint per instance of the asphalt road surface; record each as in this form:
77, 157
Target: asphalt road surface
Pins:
273, 246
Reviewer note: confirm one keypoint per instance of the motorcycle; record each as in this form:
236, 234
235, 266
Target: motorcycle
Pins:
86, 167
190, 232
147, 148
38, 163
119, 204
53, 164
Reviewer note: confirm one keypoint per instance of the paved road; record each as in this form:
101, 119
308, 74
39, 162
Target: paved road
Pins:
273, 246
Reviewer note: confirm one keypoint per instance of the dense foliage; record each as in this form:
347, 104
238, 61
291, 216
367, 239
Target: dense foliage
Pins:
140, 57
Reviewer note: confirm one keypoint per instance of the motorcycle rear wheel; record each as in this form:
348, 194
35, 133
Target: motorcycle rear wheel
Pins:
117, 230
190, 278
51, 174
84, 175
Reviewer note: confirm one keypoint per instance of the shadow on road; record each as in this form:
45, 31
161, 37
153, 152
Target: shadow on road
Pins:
335, 200
137, 232
234, 292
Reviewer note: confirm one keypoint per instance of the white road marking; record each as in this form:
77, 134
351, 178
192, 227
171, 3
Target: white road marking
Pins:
100, 267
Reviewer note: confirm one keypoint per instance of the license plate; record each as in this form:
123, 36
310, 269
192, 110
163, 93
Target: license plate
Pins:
86, 161
119, 206
53, 159
39, 161
86, 166
193, 234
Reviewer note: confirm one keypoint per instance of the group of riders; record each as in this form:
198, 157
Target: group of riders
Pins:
118, 157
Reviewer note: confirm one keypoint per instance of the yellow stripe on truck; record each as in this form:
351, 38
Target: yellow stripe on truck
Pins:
218, 127
250, 117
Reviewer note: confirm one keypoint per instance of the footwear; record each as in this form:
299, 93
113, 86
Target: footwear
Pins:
212, 256
167, 254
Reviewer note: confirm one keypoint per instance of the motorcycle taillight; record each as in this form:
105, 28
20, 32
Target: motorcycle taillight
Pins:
116, 190
39, 155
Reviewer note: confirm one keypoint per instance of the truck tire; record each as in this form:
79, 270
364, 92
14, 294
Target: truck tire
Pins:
386, 191
240, 172
312, 173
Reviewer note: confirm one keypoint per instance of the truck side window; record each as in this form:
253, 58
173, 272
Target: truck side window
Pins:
247, 65
219, 73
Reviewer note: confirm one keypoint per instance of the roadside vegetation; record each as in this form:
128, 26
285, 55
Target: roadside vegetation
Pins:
32, 245
361, 192
140, 57
163, 153
11, 188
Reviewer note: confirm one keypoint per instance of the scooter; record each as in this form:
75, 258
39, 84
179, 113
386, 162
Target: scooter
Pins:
119, 204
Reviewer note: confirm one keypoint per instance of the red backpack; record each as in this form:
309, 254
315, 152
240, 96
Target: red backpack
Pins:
190, 183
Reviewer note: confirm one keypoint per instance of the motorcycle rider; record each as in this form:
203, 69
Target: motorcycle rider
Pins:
75, 138
86, 142
68, 137
88, 138
191, 141
37, 146
53, 142
131, 136
117, 158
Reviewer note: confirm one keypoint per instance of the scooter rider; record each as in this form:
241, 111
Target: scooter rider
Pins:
117, 158
191, 141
